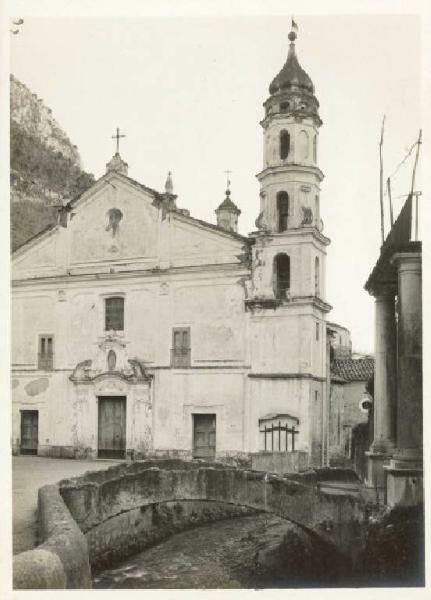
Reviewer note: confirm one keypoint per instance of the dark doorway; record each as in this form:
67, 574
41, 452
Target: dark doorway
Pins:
29, 431
204, 436
112, 427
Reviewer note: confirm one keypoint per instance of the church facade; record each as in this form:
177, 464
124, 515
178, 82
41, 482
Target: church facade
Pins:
139, 330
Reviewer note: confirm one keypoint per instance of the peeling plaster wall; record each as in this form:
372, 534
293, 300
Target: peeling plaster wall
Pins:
52, 401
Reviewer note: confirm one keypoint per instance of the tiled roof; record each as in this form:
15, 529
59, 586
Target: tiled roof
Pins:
352, 369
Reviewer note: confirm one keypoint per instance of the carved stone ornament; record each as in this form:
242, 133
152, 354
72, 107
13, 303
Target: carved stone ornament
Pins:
110, 360
307, 215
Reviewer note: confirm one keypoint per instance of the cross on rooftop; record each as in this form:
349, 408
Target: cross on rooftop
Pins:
227, 177
117, 136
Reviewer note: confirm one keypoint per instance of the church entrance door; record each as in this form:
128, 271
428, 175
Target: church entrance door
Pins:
29, 431
204, 436
112, 427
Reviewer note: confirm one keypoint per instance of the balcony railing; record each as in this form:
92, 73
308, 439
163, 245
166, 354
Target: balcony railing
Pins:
45, 361
180, 357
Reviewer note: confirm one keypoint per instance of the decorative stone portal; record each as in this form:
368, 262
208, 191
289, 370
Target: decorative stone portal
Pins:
112, 404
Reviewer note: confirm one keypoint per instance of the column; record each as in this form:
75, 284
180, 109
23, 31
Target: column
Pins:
405, 473
384, 386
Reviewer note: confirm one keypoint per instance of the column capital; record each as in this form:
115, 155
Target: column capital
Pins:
382, 291
407, 261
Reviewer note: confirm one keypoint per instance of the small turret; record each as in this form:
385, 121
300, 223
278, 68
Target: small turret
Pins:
169, 198
169, 185
228, 213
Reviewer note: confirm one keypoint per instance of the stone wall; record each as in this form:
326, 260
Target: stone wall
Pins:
97, 497
127, 507
61, 561
280, 462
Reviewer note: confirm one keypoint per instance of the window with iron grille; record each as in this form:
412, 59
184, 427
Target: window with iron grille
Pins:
181, 352
278, 433
46, 352
114, 314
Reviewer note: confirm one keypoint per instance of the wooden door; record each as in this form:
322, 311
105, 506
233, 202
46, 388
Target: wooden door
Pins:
29, 431
204, 436
112, 427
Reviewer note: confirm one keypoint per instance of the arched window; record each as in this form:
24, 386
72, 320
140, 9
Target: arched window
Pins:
317, 208
282, 210
284, 144
315, 149
281, 276
316, 276
303, 145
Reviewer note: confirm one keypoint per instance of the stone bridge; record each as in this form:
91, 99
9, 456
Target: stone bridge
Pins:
113, 508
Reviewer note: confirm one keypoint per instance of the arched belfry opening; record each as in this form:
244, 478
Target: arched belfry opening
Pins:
282, 211
284, 144
281, 276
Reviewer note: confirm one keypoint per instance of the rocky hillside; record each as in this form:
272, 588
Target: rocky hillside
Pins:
45, 167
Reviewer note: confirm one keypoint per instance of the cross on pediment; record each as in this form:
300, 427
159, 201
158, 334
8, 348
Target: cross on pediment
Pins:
117, 137
227, 178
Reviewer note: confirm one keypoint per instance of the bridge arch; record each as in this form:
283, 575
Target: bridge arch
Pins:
98, 497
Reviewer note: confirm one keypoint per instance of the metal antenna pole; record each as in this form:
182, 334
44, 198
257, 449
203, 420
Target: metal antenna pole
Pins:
419, 142
382, 215
391, 212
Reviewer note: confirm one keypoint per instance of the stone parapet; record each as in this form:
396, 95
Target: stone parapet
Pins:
61, 561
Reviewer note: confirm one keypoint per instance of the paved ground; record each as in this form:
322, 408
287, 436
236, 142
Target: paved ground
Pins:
29, 473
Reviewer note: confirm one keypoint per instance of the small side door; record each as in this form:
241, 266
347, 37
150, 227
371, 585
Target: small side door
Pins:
29, 431
204, 436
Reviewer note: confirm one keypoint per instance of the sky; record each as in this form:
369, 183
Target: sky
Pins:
188, 94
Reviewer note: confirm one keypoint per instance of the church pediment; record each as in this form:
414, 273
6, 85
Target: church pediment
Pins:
117, 222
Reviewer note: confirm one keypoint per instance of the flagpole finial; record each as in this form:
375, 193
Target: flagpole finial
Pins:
293, 31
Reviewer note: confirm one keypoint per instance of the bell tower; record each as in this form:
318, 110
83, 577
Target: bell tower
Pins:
289, 221
287, 295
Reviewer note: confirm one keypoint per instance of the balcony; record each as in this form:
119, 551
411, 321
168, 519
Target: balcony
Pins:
180, 357
45, 361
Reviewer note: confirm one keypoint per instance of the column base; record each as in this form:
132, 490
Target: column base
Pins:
375, 472
404, 482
